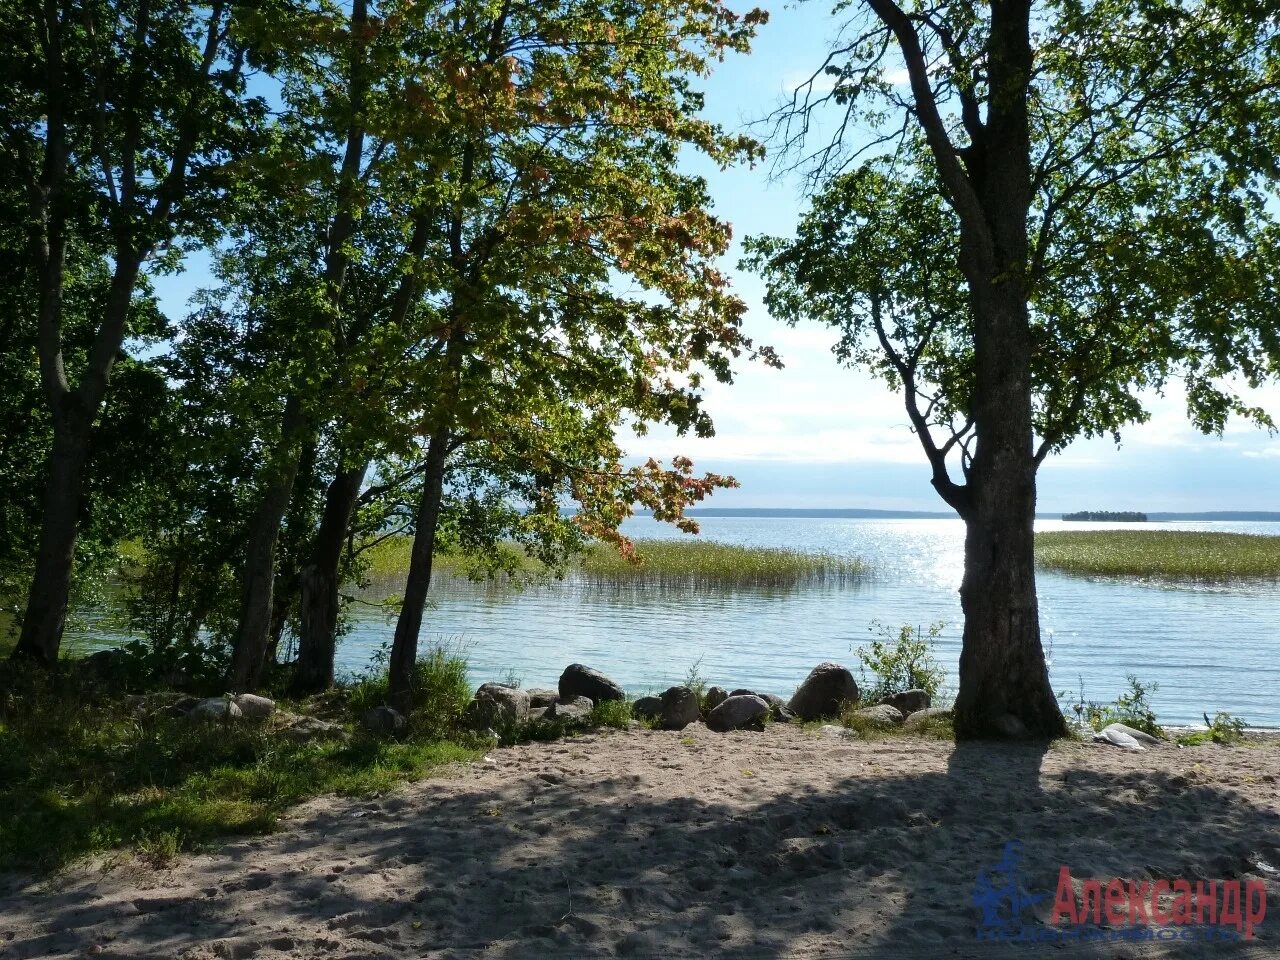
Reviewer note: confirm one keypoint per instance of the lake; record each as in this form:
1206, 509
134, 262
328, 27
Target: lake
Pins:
1208, 647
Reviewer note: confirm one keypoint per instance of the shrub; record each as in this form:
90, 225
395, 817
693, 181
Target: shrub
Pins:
1132, 708
901, 660
1223, 728
440, 692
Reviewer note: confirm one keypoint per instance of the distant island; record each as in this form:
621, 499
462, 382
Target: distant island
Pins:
1108, 516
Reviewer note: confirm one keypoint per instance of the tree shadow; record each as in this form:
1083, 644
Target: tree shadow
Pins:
825, 850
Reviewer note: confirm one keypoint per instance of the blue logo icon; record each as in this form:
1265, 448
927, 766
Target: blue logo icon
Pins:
1001, 896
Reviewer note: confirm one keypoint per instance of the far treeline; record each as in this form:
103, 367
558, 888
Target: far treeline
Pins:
447, 253
1108, 516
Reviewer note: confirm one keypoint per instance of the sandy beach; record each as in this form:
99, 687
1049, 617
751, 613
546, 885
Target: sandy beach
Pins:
786, 843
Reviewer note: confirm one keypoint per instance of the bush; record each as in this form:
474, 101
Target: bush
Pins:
440, 692
1132, 708
901, 661
1223, 728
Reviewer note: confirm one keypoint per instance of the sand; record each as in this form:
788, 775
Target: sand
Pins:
785, 843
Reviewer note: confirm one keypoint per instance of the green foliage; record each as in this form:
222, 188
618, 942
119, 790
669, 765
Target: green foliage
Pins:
1164, 554
440, 692
695, 681
1132, 708
1225, 729
83, 772
901, 660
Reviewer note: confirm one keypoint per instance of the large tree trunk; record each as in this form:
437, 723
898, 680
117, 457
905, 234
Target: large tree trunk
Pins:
318, 609
51, 586
257, 579
404, 648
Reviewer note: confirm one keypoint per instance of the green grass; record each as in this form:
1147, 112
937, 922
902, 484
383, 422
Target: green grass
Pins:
81, 775
663, 563
1161, 554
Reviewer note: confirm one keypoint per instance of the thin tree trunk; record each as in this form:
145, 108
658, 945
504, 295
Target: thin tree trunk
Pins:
404, 648
257, 580
318, 606
47, 599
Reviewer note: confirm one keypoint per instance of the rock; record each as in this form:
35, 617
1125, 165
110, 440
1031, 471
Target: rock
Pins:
580, 681
542, 697
679, 708
570, 708
647, 708
827, 688
536, 714
921, 717
499, 703
1118, 738
214, 709
301, 729
384, 721
909, 701
738, 713
835, 731
715, 696
777, 706
881, 714
255, 707
1138, 735
102, 666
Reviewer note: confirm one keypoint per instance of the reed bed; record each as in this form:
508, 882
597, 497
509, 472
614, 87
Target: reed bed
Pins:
1161, 554
686, 563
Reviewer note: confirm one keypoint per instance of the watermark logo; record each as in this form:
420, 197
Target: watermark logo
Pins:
1115, 910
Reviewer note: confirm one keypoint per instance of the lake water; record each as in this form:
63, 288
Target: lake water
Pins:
1208, 647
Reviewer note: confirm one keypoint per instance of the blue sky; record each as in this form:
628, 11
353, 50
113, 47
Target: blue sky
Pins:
815, 434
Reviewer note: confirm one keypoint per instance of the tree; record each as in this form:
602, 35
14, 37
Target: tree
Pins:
119, 120
1044, 223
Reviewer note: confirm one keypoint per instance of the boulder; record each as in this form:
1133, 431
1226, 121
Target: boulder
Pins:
384, 721
570, 708
255, 707
647, 708
715, 696
881, 714
101, 667
909, 701
827, 688
1139, 735
213, 710
499, 703
679, 708
738, 713
580, 681
542, 697
302, 729
921, 717
778, 708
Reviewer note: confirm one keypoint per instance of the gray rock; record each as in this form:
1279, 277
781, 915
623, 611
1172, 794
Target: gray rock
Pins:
542, 697
738, 713
102, 666
571, 708
499, 703
384, 721
715, 697
580, 681
909, 701
835, 731
301, 729
1140, 735
1118, 738
778, 708
921, 717
647, 708
537, 713
213, 710
255, 707
679, 708
881, 714
828, 687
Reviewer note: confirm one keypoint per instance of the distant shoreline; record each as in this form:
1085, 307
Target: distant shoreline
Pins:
1237, 516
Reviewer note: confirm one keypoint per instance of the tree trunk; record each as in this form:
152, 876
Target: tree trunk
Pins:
51, 586
318, 607
257, 580
404, 648
1004, 682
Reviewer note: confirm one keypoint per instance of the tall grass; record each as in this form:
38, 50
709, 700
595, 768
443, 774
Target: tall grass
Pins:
664, 563
1161, 554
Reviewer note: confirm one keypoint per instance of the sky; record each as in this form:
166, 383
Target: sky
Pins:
817, 435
